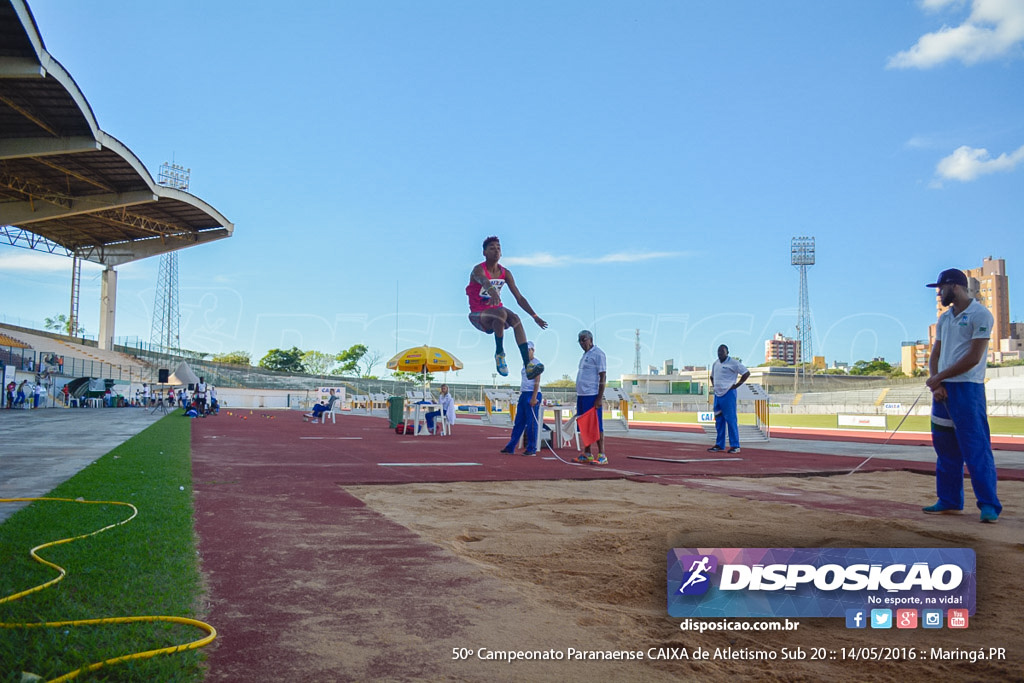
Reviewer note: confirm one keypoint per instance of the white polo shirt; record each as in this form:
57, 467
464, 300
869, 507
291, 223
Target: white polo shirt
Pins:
592, 364
724, 374
956, 334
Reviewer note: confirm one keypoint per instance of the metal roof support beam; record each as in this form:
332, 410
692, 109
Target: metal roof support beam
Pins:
34, 192
20, 67
26, 111
25, 213
125, 252
16, 237
131, 220
19, 148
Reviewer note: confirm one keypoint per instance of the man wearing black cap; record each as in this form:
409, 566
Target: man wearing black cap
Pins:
960, 431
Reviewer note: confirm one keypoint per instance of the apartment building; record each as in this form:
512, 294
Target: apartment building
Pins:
782, 348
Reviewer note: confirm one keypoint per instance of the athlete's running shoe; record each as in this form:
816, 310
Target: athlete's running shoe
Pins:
534, 368
585, 459
500, 364
940, 509
600, 460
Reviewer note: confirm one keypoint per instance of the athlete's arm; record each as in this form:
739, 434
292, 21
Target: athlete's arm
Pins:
938, 391
521, 300
480, 277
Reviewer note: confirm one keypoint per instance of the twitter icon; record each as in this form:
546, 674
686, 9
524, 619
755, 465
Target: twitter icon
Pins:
881, 618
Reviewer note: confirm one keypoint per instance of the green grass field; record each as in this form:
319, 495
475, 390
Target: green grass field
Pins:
914, 423
148, 566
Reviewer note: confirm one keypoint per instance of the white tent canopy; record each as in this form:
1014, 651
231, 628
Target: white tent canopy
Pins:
183, 375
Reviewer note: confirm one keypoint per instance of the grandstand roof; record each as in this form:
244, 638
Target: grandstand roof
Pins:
67, 181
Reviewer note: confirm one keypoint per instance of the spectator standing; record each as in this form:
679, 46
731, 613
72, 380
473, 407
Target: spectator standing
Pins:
37, 393
591, 378
527, 412
20, 398
10, 394
724, 372
960, 431
200, 397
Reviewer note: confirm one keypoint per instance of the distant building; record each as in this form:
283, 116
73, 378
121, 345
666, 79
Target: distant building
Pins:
782, 348
914, 356
1012, 348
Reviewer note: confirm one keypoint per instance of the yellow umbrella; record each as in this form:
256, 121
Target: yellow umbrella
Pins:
424, 359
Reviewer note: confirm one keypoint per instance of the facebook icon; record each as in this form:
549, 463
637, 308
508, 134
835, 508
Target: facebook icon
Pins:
856, 618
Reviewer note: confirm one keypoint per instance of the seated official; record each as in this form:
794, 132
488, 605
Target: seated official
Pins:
447, 406
322, 408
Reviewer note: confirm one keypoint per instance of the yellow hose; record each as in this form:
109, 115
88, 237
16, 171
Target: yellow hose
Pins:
193, 645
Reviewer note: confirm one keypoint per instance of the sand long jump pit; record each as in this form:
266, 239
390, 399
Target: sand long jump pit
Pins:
588, 559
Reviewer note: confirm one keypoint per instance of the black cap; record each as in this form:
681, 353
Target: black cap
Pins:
950, 277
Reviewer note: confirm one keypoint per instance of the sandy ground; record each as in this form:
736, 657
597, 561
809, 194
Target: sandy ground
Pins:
589, 559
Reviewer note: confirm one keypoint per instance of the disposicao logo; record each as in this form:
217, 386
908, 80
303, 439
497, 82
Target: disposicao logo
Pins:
696, 581
817, 582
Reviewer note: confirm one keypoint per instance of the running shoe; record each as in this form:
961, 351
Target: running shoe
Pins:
500, 364
989, 514
530, 453
940, 509
507, 451
600, 460
715, 449
534, 368
734, 449
585, 459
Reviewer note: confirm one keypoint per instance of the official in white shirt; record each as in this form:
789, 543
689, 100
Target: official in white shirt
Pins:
724, 372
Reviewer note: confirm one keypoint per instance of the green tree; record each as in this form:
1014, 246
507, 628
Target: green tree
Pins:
774, 364
60, 323
565, 382
283, 361
871, 367
318, 362
348, 360
367, 363
233, 358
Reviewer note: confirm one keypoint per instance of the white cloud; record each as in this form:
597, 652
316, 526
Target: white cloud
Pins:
546, 260
25, 261
993, 29
968, 163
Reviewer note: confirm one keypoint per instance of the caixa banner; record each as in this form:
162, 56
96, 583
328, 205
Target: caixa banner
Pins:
816, 582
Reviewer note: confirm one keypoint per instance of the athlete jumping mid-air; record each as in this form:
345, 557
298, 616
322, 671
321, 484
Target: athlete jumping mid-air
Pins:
487, 313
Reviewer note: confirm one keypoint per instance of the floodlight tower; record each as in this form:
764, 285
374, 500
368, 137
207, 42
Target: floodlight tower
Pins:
166, 315
802, 256
636, 360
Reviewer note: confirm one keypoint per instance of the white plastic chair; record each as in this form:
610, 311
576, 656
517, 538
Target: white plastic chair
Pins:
332, 413
442, 423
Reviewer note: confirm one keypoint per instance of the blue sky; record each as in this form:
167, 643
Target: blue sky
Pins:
644, 164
